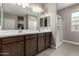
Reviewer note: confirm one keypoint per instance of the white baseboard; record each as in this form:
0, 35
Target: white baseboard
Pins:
59, 44
76, 43
71, 42
52, 46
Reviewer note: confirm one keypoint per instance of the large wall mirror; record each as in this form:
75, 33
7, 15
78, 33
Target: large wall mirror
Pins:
0, 17
18, 16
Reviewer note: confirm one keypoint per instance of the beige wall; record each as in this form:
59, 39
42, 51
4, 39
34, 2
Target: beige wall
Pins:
66, 14
50, 10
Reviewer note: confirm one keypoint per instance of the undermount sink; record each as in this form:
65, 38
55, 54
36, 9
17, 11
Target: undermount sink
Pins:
20, 31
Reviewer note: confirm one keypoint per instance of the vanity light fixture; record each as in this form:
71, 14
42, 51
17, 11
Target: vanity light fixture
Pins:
37, 9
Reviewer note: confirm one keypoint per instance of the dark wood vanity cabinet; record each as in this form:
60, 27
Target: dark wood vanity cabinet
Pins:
0, 47
31, 44
13, 49
48, 39
13, 46
41, 42
24, 45
44, 40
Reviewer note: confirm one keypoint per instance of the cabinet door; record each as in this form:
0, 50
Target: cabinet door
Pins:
13, 49
31, 47
48, 39
0, 47
41, 42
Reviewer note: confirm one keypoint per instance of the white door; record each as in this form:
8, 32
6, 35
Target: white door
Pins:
10, 24
59, 29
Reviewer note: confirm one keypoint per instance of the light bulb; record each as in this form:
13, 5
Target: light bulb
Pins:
37, 9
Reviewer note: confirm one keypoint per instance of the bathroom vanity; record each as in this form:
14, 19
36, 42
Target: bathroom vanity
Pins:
25, 44
23, 31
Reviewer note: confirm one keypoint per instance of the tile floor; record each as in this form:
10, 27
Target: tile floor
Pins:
65, 49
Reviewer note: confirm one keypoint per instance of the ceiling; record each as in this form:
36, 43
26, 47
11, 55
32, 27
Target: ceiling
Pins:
59, 5
17, 10
64, 5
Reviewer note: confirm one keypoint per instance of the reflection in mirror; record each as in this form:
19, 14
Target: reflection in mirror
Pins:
17, 17
0, 16
44, 21
41, 22
32, 23
20, 22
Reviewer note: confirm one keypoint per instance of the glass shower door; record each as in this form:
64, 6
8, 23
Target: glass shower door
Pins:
59, 30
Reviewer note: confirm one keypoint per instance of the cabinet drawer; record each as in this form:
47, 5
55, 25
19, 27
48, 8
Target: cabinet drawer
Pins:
14, 49
41, 44
12, 39
31, 36
41, 35
48, 41
31, 47
0, 46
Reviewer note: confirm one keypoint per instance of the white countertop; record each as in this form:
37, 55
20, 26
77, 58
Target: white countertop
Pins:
9, 33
